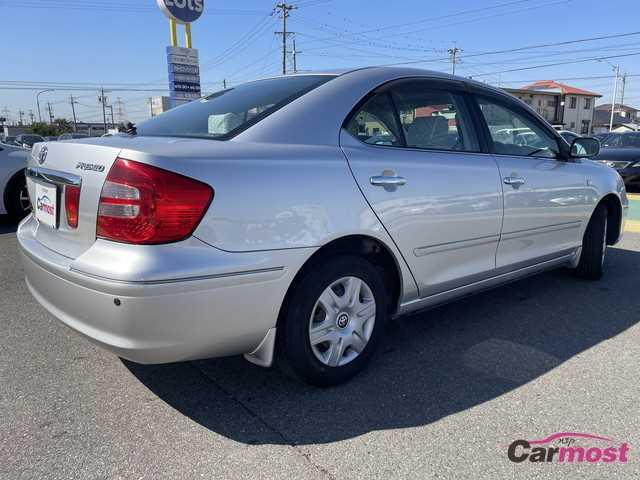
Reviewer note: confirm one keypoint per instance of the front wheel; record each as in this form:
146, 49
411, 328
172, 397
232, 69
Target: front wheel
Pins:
594, 246
17, 198
334, 319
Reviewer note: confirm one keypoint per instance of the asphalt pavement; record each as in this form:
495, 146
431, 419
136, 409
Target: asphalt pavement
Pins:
449, 390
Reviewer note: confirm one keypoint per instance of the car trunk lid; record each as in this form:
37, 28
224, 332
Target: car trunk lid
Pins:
56, 167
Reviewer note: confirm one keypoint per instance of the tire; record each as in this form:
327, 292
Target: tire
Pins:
594, 246
324, 304
17, 198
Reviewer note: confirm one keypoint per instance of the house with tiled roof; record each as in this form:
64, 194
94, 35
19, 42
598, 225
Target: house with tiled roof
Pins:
564, 106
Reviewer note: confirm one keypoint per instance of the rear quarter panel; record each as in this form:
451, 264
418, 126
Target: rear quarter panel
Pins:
274, 196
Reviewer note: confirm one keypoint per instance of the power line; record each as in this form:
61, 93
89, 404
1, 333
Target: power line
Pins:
528, 47
592, 59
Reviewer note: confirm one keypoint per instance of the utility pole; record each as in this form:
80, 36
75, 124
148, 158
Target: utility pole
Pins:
295, 53
453, 53
5, 113
31, 116
103, 100
21, 116
616, 69
624, 84
73, 110
283, 9
224, 83
113, 123
150, 101
49, 107
120, 110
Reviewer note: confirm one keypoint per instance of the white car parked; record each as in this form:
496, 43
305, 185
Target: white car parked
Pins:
15, 197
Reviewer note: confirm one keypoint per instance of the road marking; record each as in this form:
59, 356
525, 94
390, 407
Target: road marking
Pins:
632, 226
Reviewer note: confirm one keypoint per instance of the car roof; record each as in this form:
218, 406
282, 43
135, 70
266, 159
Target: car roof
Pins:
330, 103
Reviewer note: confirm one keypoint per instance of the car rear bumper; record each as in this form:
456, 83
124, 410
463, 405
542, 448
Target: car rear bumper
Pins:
630, 175
228, 312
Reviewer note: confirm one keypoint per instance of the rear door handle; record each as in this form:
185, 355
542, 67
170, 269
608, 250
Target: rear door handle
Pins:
514, 181
387, 181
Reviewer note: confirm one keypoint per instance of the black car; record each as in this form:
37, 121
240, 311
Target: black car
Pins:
623, 154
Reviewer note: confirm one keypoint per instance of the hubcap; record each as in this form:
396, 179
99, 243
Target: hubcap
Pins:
23, 199
342, 321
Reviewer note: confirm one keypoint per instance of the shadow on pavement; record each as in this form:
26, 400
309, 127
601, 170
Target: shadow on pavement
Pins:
431, 365
7, 224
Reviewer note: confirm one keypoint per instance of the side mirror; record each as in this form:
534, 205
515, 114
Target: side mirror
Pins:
585, 147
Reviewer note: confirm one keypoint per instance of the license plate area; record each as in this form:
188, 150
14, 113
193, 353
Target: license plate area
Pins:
46, 204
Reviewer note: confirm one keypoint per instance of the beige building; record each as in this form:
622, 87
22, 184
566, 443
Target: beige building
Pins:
564, 106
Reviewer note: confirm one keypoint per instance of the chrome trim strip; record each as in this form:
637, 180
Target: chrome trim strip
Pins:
53, 176
540, 230
179, 280
458, 244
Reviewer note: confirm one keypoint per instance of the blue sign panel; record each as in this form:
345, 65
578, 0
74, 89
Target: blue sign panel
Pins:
184, 75
182, 11
184, 69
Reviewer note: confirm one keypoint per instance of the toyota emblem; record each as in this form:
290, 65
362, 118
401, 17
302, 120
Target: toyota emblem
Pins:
42, 155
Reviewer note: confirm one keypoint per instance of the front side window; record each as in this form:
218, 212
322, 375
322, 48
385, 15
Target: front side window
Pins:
434, 119
572, 102
587, 103
515, 133
375, 123
224, 114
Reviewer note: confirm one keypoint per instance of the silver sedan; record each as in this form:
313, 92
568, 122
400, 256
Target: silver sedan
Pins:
292, 217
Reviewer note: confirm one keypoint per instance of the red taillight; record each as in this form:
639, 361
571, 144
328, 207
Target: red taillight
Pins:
72, 204
148, 205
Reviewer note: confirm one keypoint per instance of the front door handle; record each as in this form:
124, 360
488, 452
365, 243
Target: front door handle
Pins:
387, 181
514, 181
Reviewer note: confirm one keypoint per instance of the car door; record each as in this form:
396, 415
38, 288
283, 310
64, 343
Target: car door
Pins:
544, 194
414, 152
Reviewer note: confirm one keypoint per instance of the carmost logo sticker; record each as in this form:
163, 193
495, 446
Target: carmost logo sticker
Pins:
44, 204
569, 447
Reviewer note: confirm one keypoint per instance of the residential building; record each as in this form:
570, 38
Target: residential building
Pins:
565, 107
624, 111
625, 118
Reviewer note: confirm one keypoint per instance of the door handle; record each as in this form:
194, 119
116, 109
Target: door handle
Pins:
387, 181
514, 181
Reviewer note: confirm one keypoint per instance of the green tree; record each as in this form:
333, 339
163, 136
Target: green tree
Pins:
58, 127
62, 125
44, 129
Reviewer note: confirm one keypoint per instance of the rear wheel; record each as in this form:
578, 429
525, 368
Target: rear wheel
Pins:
594, 246
17, 198
334, 320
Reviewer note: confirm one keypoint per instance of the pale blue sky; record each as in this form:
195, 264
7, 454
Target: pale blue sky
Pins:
121, 44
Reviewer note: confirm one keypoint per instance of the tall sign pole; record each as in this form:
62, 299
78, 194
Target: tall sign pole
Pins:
183, 62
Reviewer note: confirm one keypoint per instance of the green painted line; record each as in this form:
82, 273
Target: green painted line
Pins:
634, 208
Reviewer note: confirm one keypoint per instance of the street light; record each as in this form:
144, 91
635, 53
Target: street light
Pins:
38, 101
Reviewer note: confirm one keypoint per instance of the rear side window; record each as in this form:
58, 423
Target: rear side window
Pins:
434, 119
630, 140
376, 122
224, 114
415, 115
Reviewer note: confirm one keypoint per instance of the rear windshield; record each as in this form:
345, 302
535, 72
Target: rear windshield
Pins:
226, 113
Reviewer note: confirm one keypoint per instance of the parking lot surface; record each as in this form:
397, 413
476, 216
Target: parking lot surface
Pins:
449, 390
